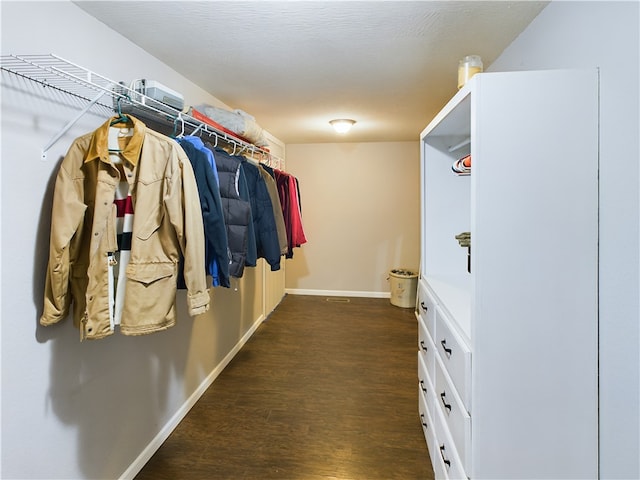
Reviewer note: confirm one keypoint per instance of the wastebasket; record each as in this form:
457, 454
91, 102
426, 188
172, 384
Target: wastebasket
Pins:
403, 284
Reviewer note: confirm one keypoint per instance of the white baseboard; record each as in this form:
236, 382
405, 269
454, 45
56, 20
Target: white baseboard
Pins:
337, 293
164, 433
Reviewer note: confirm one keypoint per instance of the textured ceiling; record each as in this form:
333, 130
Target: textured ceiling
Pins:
295, 65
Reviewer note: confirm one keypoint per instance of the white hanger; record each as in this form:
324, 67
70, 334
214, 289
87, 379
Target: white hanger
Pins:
182, 124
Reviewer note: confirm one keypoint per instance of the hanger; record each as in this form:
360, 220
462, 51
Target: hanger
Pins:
114, 133
121, 118
175, 126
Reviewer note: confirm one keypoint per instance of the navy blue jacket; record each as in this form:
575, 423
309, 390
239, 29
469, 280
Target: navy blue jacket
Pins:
264, 222
216, 244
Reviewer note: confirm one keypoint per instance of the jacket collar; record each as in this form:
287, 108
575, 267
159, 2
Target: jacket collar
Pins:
98, 148
195, 141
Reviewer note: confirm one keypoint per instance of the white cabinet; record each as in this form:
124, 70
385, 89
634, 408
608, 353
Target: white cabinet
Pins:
510, 364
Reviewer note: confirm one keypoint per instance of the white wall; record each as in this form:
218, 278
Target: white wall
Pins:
87, 410
361, 214
605, 35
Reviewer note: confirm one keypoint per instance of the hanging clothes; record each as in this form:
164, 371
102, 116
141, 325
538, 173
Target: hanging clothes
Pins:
215, 233
167, 224
272, 189
267, 243
252, 250
236, 210
119, 260
289, 192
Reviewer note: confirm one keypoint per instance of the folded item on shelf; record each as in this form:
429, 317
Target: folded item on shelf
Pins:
238, 121
462, 166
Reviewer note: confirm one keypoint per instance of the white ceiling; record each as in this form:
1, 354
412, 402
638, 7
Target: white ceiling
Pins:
295, 65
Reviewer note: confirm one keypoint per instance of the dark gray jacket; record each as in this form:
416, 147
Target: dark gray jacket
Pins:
236, 211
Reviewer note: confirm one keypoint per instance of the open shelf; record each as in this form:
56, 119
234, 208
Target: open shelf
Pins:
52, 71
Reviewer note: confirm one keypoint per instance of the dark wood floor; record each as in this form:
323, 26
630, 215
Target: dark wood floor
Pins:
325, 389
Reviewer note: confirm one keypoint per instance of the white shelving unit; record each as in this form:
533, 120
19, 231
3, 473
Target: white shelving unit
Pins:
60, 75
508, 356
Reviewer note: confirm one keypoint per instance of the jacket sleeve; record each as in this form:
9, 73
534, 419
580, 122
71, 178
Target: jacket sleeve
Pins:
243, 190
185, 214
66, 216
219, 241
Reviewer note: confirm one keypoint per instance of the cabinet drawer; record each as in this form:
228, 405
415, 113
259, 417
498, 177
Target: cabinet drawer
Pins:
446, 449
455, 356
426, 307
455, 415
428, 428
426, 383
426, 348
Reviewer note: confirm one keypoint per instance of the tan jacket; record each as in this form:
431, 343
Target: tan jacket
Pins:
167, 221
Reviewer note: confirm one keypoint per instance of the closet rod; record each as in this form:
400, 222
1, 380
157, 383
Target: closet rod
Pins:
463, 143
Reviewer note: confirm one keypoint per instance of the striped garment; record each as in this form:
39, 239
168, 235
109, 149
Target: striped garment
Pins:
118, 260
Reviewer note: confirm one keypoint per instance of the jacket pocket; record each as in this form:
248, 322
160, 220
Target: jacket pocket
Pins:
148, 273
151, 224
150, 296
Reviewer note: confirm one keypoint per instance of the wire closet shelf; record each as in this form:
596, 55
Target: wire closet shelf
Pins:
54, 72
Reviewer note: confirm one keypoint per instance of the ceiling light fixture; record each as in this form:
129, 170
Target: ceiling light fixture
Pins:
342, 125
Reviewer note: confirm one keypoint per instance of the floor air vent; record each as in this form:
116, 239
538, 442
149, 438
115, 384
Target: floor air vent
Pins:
338, 300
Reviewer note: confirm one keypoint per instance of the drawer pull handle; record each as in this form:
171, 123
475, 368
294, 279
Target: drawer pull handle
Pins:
446, 350
447, 462
424, 424
422, 386
444, 402
423, 346
424, 307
